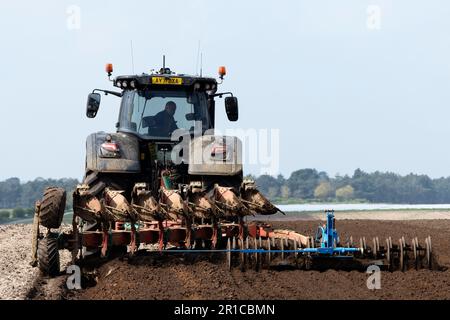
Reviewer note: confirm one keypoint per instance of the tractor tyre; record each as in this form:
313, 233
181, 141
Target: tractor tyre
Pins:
48, 255
98, 181
52, 207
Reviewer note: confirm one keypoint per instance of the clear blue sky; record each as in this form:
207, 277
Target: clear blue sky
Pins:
343, 95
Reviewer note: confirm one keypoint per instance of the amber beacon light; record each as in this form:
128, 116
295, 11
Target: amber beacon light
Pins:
109, 68
222, 72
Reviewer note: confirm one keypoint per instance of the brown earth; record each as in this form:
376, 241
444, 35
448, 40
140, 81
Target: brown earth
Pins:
149, 278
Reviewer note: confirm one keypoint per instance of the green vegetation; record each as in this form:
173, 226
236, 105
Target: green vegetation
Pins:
14, 194
310, 185
303, 186
4, 215
8, 215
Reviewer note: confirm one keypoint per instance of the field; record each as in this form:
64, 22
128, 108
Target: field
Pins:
156, 278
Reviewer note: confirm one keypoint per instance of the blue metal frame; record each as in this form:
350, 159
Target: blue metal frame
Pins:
329, 238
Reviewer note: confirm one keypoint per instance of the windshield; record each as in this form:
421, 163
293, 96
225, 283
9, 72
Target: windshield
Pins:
156, 114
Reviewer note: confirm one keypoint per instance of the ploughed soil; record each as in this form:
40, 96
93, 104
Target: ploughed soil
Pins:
148, 277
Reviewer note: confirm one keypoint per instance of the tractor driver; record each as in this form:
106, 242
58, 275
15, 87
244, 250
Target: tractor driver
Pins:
165, 121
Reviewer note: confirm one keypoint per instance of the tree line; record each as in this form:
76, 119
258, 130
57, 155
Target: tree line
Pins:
376, 187
302, 185
14, 194
17, 213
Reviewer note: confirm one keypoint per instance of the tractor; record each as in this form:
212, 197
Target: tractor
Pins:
164, 182
162, 178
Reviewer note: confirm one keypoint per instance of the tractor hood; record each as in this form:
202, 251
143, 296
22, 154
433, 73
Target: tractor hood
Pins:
215, 155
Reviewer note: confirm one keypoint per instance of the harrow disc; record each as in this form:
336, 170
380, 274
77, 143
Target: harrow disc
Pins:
268, 255
229, 254
428, 252
415, 246
350, 242
389, 253
255, 255
260, 256
374, 248
295, 248
309, 242
401, 247
362, 245
243, 257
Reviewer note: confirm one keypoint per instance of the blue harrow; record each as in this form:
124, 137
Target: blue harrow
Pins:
281, 248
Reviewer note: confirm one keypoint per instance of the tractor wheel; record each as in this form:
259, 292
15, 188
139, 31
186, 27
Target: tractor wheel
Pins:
52, 207
48, 255
98, 181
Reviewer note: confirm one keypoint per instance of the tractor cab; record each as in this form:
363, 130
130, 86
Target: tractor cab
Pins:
155, 105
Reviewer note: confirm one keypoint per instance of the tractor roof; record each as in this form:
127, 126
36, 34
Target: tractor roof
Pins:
165, 79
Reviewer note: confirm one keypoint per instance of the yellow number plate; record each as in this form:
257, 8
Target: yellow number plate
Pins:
164, 80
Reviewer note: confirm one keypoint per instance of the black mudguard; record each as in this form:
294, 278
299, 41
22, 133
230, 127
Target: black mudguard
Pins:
128, 149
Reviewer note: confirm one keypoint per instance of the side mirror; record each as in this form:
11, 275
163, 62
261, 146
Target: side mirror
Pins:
231, 107
93, 103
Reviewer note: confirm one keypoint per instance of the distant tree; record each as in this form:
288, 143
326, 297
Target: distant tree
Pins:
285, 192
363, 185
273, 192
19, 213
323, 176
302, 183
10, 193
441, 188
4, 215
323, 191
268, 185
281, 180
29, 212
341, 181
345, 193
